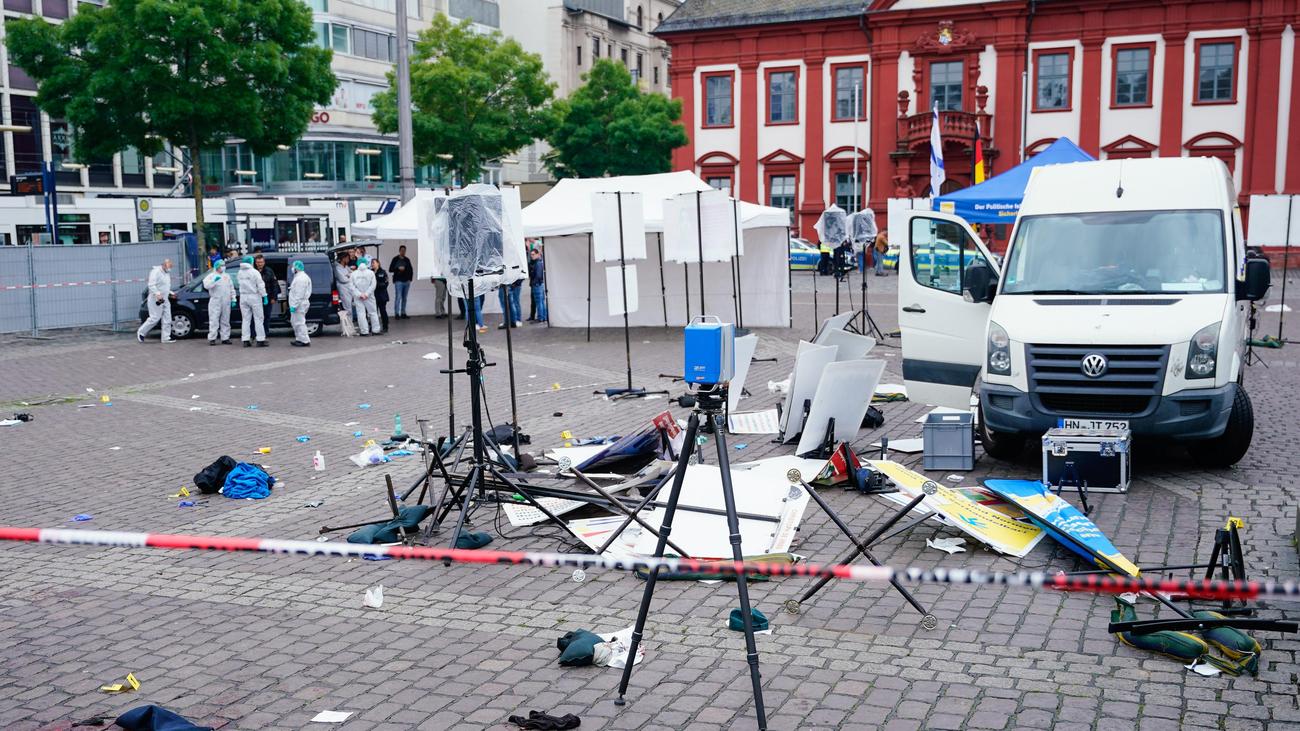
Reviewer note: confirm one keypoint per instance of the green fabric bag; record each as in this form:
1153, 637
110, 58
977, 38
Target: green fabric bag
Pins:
1232, 642
471, 541
577, 648
1180, 645
737, 624
408, 519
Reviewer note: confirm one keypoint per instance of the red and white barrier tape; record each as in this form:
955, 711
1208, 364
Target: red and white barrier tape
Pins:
1198, 589
56, 285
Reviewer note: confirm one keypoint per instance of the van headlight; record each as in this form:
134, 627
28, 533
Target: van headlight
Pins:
999, 350
1203, 352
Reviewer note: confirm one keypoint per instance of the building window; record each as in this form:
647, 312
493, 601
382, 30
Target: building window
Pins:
640, 67
623, 55
849, 90
847, 195
595, 49
319, 6
1215, 72
945, 85
339, 38
719, 182
1133, 77
29, 148
1052, 81
656, 74
18, 6
782, 97
579, 55
132, 167
482, 12
781, 192
55, 8
640, 16
717, 100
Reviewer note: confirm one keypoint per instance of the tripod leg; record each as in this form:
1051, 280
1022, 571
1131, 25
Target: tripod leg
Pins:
618, 506
522, 489
471, 482
742, 584
649, 498
692, 427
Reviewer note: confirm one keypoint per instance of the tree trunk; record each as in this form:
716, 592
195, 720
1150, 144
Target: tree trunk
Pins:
196, 189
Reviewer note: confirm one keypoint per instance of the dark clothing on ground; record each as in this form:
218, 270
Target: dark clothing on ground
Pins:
401, 268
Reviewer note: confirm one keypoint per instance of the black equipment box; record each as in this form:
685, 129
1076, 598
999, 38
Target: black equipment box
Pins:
1093, 459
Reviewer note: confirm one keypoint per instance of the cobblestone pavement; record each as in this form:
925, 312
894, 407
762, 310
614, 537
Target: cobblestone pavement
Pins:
254, 641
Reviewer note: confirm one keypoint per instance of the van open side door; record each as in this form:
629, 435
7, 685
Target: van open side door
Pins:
943, 329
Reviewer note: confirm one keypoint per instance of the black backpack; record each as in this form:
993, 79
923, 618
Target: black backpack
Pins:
213, 477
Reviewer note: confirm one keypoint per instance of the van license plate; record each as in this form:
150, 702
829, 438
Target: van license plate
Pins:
1096, 424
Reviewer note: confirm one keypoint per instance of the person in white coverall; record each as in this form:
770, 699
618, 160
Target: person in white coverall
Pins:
252, 295
299, 300
343, 283
159, 302
363, 281
221, 299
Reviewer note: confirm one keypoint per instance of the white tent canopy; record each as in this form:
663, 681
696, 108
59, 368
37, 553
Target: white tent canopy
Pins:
400, 224
566, 208
667, 293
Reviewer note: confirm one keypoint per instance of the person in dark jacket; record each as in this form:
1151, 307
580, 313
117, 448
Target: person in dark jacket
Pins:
537, 284
381, 293
272, 287
402, 272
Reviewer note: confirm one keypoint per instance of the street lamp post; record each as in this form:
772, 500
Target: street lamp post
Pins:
405, 152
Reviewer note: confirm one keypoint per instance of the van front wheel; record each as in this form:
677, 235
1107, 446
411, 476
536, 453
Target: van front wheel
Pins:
1231, 446
1006, 447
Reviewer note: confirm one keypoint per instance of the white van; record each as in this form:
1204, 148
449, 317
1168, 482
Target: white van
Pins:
1122, 301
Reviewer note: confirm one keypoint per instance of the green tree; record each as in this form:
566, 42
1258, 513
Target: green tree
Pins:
474, 98
610, 127
195, 72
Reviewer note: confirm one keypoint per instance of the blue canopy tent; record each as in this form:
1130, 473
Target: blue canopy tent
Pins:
997, 200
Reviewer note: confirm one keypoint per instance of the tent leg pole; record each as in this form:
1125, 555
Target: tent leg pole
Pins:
663, 288
590, 254
699, 240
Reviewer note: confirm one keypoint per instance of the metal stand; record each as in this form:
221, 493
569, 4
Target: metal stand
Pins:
867, 326
630, 391
862, 547
708, 409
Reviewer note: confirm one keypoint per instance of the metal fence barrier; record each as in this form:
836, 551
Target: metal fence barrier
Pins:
51, 287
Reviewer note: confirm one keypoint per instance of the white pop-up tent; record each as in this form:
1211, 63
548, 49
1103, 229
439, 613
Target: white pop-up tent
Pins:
667, 292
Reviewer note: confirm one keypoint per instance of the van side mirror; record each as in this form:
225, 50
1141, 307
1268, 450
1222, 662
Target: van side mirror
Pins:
1258, 280
980, 283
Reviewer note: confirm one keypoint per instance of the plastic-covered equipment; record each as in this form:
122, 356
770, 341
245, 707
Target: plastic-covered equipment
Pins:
470, 229
833, 226
862, 228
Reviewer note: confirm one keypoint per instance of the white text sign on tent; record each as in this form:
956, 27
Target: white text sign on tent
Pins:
608, 210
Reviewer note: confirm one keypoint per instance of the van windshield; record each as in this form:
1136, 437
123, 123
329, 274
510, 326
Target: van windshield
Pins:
1127, 252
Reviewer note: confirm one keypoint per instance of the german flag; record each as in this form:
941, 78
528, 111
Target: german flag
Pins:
979, 156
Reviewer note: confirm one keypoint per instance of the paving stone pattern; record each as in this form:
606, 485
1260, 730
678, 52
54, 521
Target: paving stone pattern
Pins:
265, 642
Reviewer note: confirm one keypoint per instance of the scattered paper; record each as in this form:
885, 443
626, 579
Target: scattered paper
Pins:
331, 716
1274, 308
906, 446
886, 389
194, 396
114, 449
9, 422
620, 642
196, 408
947, 545
374, 597
779, 386
754, 422
351, 423
954, 478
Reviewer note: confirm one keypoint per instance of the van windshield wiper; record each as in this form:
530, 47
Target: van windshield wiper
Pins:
1056, 291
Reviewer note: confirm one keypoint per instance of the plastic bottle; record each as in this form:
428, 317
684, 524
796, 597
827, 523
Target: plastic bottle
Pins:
397, 425
318, 461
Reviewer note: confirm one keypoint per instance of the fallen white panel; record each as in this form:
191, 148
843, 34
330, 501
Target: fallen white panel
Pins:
576, 455
843, 395
906, 446
851, 345
832, 323
605, 222
744, 354
614, 289
810, 361
754, 422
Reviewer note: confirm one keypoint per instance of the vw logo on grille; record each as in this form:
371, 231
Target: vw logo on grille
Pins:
1093, 365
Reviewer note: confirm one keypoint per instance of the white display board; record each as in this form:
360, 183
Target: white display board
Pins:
610, 212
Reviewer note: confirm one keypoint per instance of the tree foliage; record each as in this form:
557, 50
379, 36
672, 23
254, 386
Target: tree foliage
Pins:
196, 72
475, 97
610, 127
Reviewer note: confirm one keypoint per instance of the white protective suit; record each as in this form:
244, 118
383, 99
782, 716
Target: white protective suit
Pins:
251, 292
343, 283
299, 300
159, 303
363, 280
221, 293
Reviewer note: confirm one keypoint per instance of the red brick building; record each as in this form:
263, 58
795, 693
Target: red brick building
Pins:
784, 100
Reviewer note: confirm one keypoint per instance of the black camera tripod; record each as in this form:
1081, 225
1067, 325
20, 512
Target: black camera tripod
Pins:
710, 403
